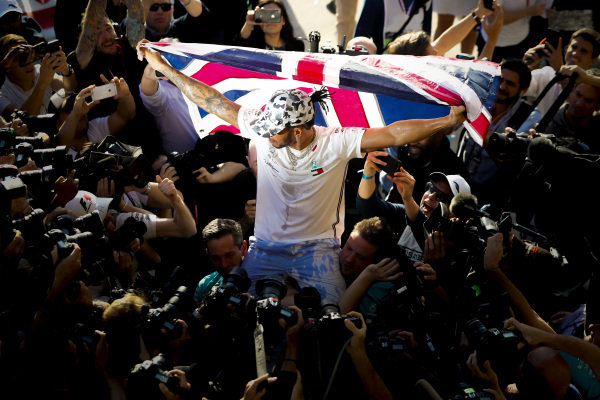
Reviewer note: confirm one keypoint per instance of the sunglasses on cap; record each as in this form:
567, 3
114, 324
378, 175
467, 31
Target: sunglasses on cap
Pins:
439, 195
164, 6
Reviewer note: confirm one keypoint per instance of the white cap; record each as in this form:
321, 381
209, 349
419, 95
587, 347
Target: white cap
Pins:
85, 202
457, 183
7, 6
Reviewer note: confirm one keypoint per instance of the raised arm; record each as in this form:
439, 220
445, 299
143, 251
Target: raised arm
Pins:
204, 96
402, 132
135, 21
94, 20
193, 7
457, 32
491, 263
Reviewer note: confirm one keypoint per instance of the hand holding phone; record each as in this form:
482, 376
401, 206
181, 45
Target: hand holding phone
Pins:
265, 15
392, 166
104, 91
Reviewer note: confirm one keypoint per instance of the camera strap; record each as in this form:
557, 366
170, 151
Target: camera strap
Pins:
557, 103
259, 350
519, 117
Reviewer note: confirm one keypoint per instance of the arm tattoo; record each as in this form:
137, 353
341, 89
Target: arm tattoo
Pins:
206, 97
135, 22
93, 20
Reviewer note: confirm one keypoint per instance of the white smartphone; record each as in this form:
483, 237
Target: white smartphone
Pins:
104, 91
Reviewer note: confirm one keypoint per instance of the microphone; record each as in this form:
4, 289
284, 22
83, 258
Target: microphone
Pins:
464, 206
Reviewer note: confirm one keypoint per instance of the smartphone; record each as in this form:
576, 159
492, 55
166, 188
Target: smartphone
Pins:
393, 164
488, 4
263, 15
104, 91
552, 37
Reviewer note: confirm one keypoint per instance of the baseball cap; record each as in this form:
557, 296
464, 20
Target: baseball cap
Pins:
7, 6
457, 183
85, 202
287, 107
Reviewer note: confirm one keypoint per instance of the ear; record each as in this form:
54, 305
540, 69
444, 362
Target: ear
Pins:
244, 248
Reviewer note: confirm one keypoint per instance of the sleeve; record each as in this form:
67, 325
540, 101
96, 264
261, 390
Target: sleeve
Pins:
245, 117
4, 102
350, 144
156, 103
98, 129
539, 79
394, 213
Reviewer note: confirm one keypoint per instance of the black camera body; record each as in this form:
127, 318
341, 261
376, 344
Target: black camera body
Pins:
270, 291
150, 373
230, 292
166, 317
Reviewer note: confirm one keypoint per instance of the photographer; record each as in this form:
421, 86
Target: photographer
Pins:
74, 128
226, 249
29, 86
406, 219
536, 332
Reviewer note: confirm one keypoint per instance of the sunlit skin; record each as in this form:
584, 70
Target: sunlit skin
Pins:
107, 39
509, 89
430, 202
356, 255
579, 53
224, 254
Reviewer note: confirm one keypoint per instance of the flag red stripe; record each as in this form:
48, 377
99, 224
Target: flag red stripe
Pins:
349, 108
310, 69
432, 88
481, 125
214, 73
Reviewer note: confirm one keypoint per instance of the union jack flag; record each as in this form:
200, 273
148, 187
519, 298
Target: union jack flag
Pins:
366, 91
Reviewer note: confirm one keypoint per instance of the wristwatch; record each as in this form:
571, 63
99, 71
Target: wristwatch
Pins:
70, 72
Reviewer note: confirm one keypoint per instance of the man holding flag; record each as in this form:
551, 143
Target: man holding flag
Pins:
301, 171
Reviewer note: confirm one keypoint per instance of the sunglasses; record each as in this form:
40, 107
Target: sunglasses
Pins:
439, 195
164, 6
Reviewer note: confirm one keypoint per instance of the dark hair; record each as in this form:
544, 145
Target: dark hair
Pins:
517, 65
413, 43
219, 227
287, 33
591, 36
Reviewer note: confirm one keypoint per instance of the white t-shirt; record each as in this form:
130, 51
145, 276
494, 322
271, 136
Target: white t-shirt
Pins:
539, 80
515, 32
10, 93
148, 219
305, 202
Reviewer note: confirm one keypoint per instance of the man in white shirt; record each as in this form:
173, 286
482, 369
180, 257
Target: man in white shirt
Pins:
301, 170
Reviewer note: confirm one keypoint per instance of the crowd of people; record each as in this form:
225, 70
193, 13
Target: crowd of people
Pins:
143, 259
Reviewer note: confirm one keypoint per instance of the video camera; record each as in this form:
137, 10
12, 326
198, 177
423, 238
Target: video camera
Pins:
37, 123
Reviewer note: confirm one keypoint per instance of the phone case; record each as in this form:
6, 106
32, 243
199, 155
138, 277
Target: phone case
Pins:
104, 91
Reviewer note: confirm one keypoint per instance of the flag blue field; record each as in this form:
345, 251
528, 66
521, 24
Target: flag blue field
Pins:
367, 91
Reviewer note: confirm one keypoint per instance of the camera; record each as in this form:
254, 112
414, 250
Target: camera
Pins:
270, 291
37, 123
166, 317
500, 347
230, 292
34, 53
145, 377
130, 230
